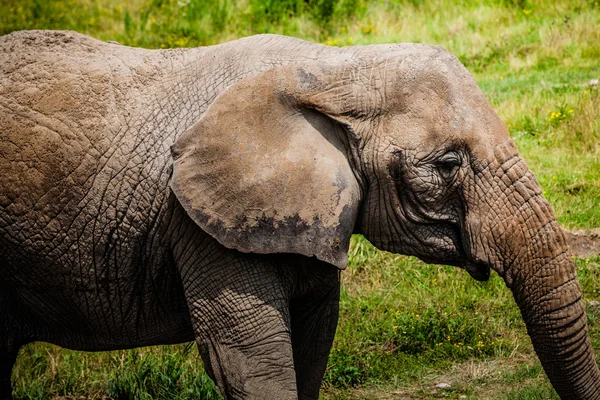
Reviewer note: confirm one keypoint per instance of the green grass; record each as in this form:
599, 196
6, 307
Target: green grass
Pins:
169, 372
404, 325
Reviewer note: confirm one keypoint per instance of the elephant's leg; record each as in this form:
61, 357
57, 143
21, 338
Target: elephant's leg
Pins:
314, 321
7, 360
10, 341
239, 305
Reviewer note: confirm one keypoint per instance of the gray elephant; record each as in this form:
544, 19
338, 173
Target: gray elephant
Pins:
209, 194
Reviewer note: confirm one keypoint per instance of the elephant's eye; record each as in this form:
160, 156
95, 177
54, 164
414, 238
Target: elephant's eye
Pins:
448, 165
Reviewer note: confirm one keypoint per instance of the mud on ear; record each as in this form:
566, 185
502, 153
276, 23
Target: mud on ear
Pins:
263, 171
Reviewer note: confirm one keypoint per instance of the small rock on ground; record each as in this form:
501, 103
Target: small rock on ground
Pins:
443, 385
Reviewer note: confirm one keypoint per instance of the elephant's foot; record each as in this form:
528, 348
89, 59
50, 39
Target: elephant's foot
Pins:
314, 318
262, 370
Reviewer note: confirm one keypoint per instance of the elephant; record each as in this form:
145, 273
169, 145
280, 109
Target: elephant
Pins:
162, 196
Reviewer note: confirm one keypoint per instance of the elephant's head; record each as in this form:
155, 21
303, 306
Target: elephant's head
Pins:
397, 143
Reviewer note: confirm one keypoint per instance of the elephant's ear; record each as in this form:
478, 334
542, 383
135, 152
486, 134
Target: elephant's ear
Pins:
263, 171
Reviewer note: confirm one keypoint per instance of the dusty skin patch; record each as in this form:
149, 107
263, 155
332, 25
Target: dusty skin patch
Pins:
584, 243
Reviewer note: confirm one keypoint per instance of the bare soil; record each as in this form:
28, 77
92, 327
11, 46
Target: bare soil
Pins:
584, 243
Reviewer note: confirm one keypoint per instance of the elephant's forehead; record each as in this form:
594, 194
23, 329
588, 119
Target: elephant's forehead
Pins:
431, 108
429, 121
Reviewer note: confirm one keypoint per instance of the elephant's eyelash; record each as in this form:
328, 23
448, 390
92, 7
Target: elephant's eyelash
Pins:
448, 165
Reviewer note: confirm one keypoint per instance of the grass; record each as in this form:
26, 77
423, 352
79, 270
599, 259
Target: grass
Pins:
405, 326
170, 372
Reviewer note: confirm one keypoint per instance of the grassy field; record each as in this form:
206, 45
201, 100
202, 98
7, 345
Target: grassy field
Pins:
405, 326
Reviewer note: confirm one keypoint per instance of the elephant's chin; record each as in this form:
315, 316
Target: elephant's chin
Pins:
478, 270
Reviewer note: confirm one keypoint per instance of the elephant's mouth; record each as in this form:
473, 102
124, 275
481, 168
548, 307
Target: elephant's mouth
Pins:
443, 244
457, 255
478, 270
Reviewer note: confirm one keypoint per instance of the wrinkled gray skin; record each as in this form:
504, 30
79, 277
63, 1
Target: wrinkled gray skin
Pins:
153, 197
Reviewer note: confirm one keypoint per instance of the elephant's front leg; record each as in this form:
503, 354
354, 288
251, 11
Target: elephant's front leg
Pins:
239, 308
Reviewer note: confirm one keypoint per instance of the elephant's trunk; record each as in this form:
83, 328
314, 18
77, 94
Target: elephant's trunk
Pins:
529, 250
545, 287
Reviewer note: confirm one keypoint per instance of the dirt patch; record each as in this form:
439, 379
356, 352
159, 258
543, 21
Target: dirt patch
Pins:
471, 380
584, 243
